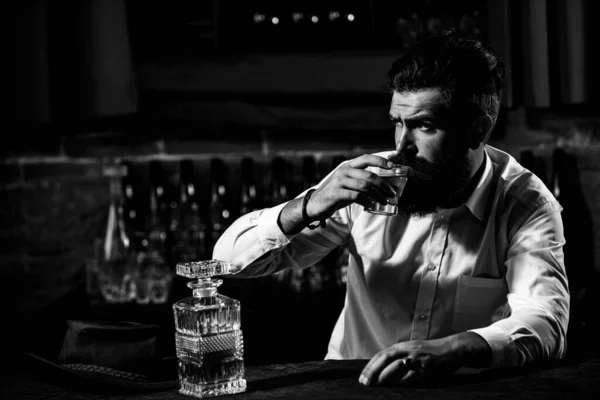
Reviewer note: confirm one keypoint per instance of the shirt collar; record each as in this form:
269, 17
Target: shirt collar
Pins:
477, 200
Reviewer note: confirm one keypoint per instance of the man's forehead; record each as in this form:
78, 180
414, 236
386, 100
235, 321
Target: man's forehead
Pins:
426, 101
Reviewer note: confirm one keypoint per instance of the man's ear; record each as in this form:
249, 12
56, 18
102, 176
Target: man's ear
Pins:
480, 129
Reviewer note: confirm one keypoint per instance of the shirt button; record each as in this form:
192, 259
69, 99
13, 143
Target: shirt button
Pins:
422, 317
431, 267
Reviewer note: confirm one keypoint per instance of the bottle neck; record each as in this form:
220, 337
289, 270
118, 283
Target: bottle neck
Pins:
212, 292
188, 202
278, 193
220, 214
157, 205
116, 239
249, 198
116, 195
206, 287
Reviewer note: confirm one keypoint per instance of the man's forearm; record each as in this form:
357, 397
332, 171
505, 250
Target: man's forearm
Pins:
473, 351
290, 218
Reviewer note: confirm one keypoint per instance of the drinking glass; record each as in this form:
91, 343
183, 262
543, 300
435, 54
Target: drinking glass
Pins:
397, 178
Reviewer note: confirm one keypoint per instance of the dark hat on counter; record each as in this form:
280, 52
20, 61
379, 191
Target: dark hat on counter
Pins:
109, 356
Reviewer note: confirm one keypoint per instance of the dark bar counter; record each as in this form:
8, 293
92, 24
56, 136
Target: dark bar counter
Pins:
565, 379
575, 377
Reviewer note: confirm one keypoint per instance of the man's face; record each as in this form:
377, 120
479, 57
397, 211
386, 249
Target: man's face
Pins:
429, 140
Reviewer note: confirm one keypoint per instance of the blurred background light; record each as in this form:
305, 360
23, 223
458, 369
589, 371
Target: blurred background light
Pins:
297, 16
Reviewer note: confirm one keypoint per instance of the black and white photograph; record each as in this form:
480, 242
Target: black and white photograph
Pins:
301, 199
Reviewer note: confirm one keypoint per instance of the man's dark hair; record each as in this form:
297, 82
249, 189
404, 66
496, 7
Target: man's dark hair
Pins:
469, 74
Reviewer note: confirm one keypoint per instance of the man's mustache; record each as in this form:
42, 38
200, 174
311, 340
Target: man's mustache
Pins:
420, 170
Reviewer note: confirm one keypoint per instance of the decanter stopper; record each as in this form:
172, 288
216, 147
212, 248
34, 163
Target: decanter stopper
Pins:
205, 269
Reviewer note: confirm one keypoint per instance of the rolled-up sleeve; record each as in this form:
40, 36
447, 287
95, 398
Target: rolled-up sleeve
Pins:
537, 316
255, 245
249, 239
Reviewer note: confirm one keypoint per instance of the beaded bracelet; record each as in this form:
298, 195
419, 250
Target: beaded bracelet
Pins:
305, 215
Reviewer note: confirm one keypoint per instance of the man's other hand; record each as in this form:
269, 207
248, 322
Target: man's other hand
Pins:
408, 362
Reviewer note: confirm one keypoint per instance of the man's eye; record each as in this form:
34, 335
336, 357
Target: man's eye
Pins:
426, 128
397, 123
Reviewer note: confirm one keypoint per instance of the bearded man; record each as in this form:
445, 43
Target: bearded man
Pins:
469, 273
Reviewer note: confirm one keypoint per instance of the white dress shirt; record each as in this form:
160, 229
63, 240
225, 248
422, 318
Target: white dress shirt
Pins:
493, 266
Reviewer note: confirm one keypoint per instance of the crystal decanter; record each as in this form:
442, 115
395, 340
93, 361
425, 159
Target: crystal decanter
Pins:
208, 338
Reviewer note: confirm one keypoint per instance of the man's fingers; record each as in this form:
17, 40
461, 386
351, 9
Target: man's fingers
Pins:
393, 373
370, 160
364, 192
374, 179
370, 373
368, 184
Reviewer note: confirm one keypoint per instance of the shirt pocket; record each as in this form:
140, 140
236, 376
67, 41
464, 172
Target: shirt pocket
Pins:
478, 302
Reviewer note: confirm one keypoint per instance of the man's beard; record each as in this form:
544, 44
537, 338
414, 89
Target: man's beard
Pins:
431, 186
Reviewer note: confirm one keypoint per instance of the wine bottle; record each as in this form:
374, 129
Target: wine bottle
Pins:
117, 263
249, 189
191, 244
220, 211
154, 276
278, 189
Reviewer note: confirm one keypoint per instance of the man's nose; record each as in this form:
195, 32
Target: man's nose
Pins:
405, 142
